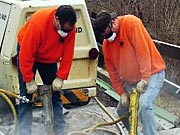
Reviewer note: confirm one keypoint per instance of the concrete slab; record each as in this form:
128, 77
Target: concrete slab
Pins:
174, 131
81, 118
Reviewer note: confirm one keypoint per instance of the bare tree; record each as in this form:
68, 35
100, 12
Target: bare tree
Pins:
162, 18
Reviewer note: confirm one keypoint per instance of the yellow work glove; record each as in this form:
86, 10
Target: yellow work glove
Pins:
141, 86
31, 87
57, 84
124, 99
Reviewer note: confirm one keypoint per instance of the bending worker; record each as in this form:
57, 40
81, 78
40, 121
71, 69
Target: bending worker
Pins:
132, 60
46, 38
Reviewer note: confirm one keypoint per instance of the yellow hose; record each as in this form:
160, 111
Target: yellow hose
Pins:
12, 107
11, 94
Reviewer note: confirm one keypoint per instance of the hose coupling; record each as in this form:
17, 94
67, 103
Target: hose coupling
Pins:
24, 99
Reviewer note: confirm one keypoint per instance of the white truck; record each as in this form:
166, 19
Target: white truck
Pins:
81, 82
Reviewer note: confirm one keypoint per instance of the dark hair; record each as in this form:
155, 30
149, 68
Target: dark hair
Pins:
66, 13
102, 21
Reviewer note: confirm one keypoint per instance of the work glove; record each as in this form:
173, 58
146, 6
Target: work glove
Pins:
57, 84
141, 86
124, 99
31, 86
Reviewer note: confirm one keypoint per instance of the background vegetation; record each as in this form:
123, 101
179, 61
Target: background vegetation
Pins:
160, 17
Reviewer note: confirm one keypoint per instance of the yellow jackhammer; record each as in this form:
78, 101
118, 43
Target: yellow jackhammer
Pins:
133, 109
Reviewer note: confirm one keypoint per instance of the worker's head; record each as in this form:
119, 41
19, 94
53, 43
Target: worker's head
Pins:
64, 20
106, 25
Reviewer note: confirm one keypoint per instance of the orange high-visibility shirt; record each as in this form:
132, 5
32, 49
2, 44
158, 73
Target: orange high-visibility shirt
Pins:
39, 41
132, 56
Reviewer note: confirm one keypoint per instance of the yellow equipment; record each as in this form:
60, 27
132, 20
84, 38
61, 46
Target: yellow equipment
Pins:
81, 83
45, 91
44, 96
133, 118
133, 109
4, 94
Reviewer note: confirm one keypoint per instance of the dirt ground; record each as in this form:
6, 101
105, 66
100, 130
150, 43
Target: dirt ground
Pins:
168, 102
164, 101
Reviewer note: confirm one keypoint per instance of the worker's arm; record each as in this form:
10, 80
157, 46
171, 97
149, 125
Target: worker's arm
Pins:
66, 61
114, 76
28, 46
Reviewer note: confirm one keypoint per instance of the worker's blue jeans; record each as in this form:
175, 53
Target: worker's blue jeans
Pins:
47, 73
145, 113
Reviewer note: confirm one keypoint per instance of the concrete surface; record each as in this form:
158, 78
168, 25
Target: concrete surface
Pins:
81, 118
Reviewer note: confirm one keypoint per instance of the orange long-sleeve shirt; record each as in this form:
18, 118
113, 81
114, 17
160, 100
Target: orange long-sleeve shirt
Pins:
39, 41
132, 56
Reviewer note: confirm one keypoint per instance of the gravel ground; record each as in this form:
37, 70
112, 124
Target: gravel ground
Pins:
164, 100
77, 119
168, 102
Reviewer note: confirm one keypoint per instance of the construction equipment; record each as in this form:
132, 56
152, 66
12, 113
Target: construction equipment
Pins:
132, 114
45, 95
133, 109
23, 99
6, 98
80, 86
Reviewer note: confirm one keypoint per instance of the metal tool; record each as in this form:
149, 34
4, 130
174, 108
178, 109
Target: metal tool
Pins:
45, 94
133, 109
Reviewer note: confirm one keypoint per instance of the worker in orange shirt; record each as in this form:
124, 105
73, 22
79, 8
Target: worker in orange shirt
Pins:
132, 60
46, 38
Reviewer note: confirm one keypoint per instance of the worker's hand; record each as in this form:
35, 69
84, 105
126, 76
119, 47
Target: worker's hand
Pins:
31, 87
141, 86
124, 99
57, 84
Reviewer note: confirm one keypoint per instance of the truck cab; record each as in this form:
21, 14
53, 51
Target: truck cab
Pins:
81, 83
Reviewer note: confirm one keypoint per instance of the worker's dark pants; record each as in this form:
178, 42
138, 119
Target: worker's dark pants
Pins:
47, 73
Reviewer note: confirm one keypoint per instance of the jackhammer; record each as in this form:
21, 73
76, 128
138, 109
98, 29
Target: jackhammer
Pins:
133, 110
44, 96
132, 114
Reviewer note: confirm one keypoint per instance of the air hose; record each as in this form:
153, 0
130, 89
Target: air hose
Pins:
109, 114
106, 124
6, 98
23, 99
3, 93
89, 131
